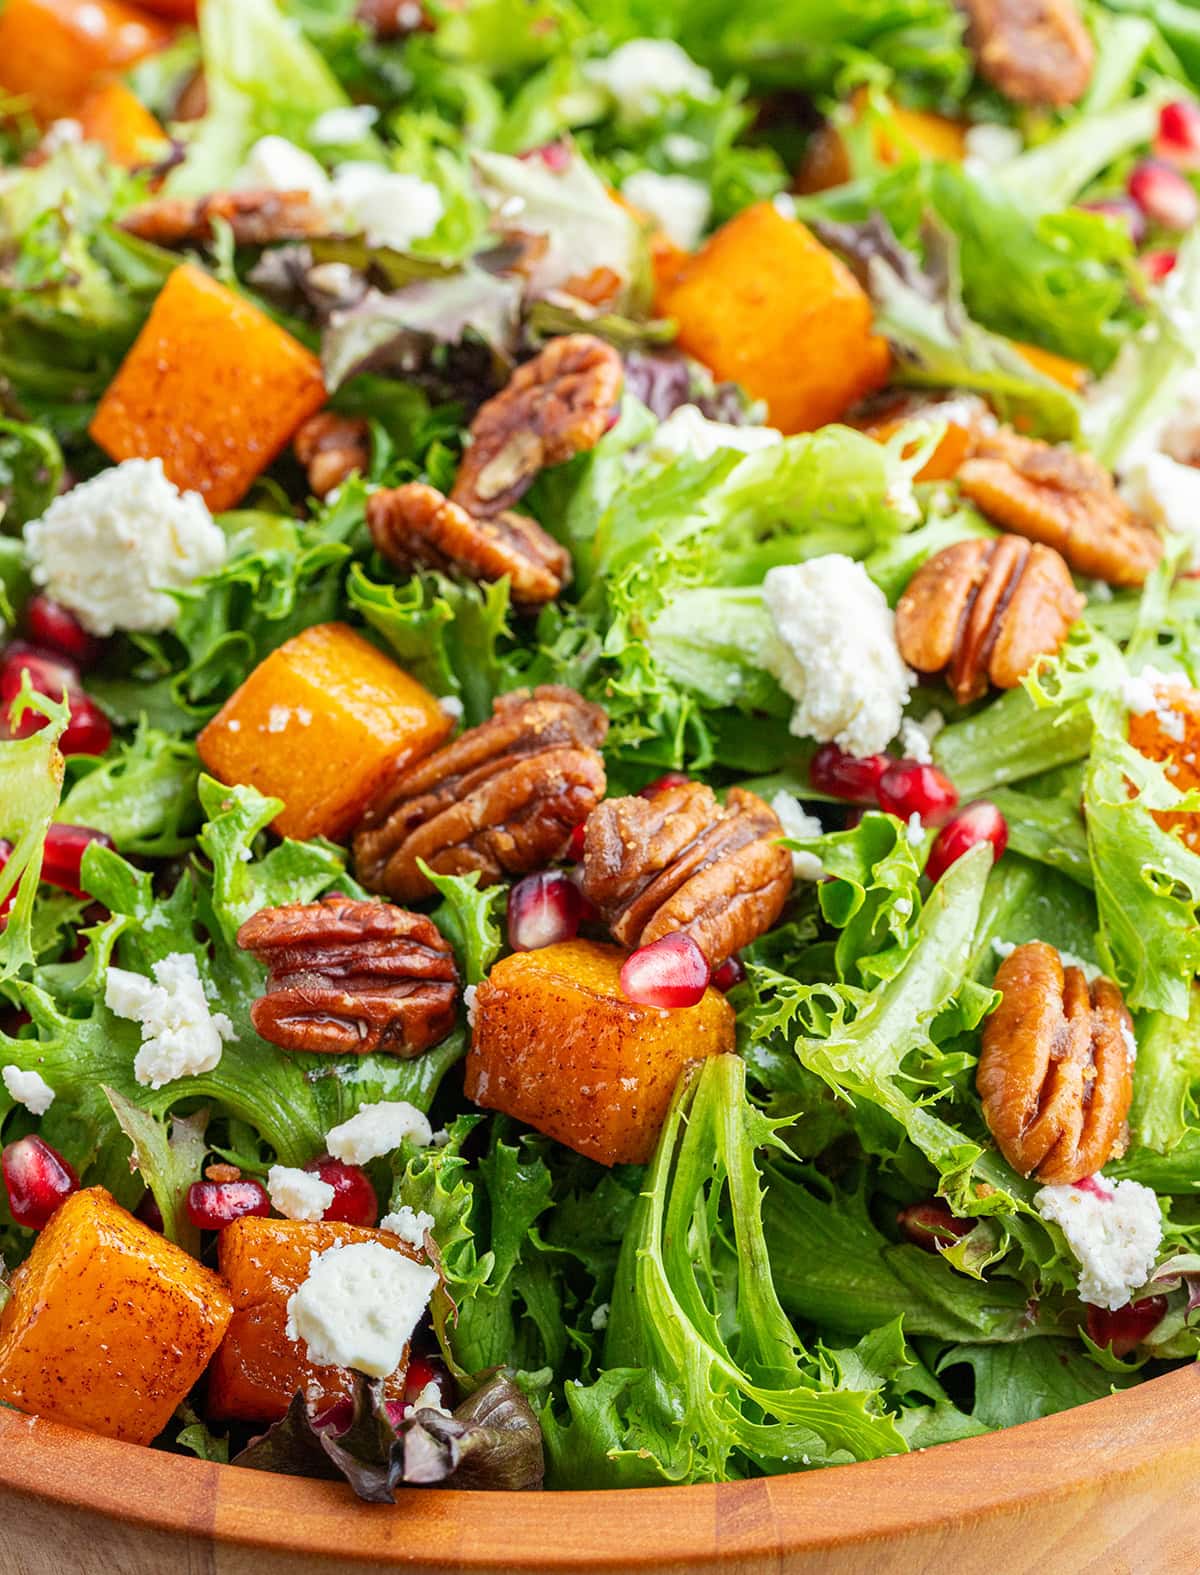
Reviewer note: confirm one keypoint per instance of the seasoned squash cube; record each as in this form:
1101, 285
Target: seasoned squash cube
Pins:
320, 723
557, 1045
1168, 730
53, 51
114, 116
259, 1367
764, 304
109, 1324
901, 134
211, 386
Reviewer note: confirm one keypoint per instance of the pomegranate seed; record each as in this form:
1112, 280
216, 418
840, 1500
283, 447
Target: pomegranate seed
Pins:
49, 674
543, 909
57, 629
908, 788
1128, 1326
730, 972
62, 857
555, 156
1179, 133
661, 784
979, 822
1164, 195
1125, 212
1157, 265
336, 1417
6, 849
614, 416
211, 1205
354, 1200
847, 776
37, 1179
149, 1212
89, 732
1096, 1185
930, 1225
575, 846
670, 972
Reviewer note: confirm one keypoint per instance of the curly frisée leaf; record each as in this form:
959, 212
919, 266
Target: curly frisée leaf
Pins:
168, 1162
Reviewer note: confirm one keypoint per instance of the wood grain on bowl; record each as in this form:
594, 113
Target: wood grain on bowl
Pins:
1108, 1488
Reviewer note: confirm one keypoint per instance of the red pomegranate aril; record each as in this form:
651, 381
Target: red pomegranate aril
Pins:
669, 779
89, 732
6, 848
49, 674
852, 777
575, 847
211, 1205
1125, 212
1157, 265
670, 972
729, 973
908, 788
62, 856
1097, 1185
57, 628
37, 1179
543, 909
1179, 133
979, 822
931, 1225
1128, 1326
354, 1200
1165, 196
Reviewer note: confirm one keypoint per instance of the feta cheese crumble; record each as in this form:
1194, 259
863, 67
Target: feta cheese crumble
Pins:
409, 1224
798, 823
181, 1037
27, 1088
358, 1306
469, 1003
1113, 1230
378, 1129
430, 1399
680, 205
600, 1316
835, 653
298, 1194
113, 547
916, 737
1167, 494
346, 123
687, 430
645, 72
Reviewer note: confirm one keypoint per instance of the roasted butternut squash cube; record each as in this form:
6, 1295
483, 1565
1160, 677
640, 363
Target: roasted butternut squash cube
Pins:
53, 51
557, 1045
259, 1367
905, 133
321, 723
1168, 731
109, 1324
211, 386
764, 304
965, 416
118, 119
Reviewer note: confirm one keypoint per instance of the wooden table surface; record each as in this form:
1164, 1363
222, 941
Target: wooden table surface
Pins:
1108, 1489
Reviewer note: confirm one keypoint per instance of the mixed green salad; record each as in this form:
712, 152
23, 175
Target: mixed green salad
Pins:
836, 1249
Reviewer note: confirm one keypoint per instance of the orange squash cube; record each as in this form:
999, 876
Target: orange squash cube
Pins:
764, 304
211, 386
1175, 746
827, 162
53, 51
557, 1045
1058, 368
109, 1324
320, 723
965, 416
259, 1367
114, 116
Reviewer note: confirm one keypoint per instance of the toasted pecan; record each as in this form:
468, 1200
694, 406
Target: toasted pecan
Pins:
257, 218
1055, 1073
331, 448
1032, 51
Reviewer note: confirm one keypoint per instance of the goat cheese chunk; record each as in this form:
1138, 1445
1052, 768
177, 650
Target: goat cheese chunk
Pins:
645, 73
680, 204
834, 651
687, 430
359, 1305
298, 1194
275, 164
27, 1088
378, 1129
409, 1224
1113, 1230
1167, 493
113, 547
798, 823
181, 1037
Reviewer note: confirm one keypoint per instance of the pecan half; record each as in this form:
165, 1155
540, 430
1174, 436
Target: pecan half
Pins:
331, 448
415, 524
679, 861
1033, 51
1062, 498
552, 408
503, 798
350, 976
1054, 1072
256, 218
986, 610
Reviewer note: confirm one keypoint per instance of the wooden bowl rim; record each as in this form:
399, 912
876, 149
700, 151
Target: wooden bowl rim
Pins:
1095, 1450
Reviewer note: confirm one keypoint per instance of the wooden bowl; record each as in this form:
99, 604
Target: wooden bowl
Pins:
1108, 1487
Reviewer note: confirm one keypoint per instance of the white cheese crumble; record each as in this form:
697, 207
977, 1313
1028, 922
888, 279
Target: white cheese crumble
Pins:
645, 72
451, 706
1114, 1232
1089, 970
469, 1003
275, 164
430, 1399
687, 430
27, 1088
378, 1129
1168, 495
298, 1194
358, 1306
409, 1224
916, 737
600, 1316
346, 123
835, 653
915, 829
989, 145
680, 205
181, 1037
112, 547
798, 823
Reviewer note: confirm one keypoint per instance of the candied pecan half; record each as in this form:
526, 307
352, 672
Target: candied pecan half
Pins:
679, 861
256, 218
1065, 499
503, 798
552, 408
415, 524
1032, 51
1169, 731
986, 610
331, 448
346, 975
1055, 1072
